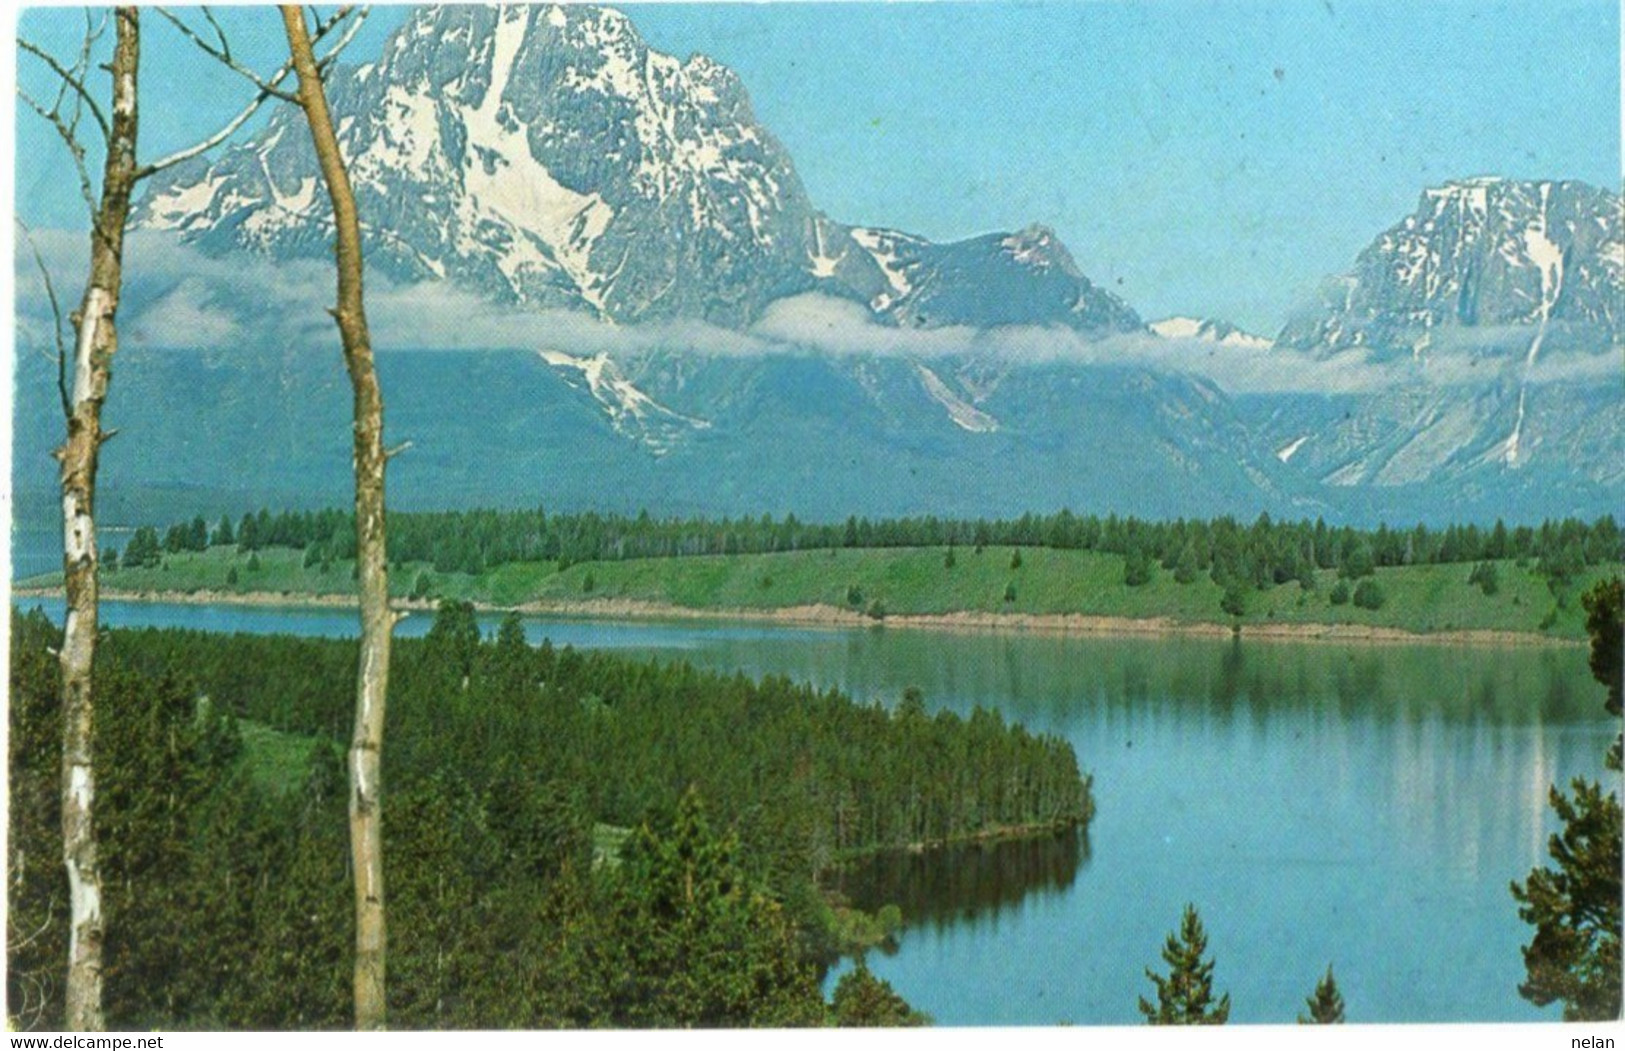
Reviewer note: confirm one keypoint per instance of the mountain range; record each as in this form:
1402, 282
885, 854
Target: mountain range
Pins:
545, 159
546, 156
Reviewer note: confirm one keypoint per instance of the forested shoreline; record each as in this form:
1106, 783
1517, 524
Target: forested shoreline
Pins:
228, 886
1261, 552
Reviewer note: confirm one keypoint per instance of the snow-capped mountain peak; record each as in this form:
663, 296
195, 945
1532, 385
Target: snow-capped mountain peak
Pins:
1207, 330
543, 155
547, 156
1482, 253
1038, 247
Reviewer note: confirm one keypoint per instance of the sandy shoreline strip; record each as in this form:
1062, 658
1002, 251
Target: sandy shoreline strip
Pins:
1061, 624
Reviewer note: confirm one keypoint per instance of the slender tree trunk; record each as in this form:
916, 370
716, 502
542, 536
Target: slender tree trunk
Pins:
96, 340
372, 677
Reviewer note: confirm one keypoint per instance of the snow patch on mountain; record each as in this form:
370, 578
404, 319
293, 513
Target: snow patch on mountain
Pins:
964, 415
882, 246
1546, 255
185, 206
632, 412
819, 262
1036, 247
1290, 449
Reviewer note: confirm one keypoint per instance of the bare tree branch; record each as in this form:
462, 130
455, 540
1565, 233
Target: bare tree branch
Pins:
332, 54
220, 34
230, 128
76, 82
56, 313
81, 67
69, 139
224, 57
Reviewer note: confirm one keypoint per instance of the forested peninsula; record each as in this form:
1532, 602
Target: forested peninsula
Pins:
564, 826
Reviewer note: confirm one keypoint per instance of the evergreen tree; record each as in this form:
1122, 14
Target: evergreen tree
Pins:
441, 861
1575, 909
1358, 563
248, 534
1562, 566
223, 533
1603, 620
1326, 1005
1137, 568
1185, 996
1369, 595
511, 634
453, 640
1188, 567
143, 551
1574, 956
862, 1000
702, 944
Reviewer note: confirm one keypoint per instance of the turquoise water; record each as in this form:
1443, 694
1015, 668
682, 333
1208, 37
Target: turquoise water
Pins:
1365, 806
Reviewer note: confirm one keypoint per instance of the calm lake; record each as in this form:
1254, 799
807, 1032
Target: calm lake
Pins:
1365, 806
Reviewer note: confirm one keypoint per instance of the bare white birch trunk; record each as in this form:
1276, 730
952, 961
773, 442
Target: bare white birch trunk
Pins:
372, 678
95, 343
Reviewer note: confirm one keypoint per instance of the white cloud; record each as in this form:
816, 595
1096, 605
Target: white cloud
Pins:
181, 318
179, 297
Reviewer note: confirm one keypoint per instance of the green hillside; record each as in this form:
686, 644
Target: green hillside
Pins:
895, 582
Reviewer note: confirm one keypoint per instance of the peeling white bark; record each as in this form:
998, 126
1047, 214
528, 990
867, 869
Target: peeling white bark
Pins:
78, 530
85, 901
95, 343
81, 785
98, 303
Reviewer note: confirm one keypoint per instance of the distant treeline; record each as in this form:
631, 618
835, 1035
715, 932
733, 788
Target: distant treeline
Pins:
225, 855
1261, 553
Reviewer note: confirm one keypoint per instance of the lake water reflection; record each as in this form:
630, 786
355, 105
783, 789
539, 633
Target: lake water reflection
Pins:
1365, 806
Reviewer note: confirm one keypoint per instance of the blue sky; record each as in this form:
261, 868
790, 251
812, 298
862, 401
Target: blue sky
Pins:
1212, 158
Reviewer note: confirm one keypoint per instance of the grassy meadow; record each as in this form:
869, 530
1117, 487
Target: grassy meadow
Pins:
881, 582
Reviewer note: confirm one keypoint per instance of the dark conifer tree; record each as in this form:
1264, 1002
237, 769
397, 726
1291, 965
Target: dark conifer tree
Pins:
862, 1000
703, 945
1185, 996
1326, 1005
454, 639
1575, 908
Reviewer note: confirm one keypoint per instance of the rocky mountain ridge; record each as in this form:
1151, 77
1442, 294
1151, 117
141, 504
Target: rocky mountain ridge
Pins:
545, 157
1476, 257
